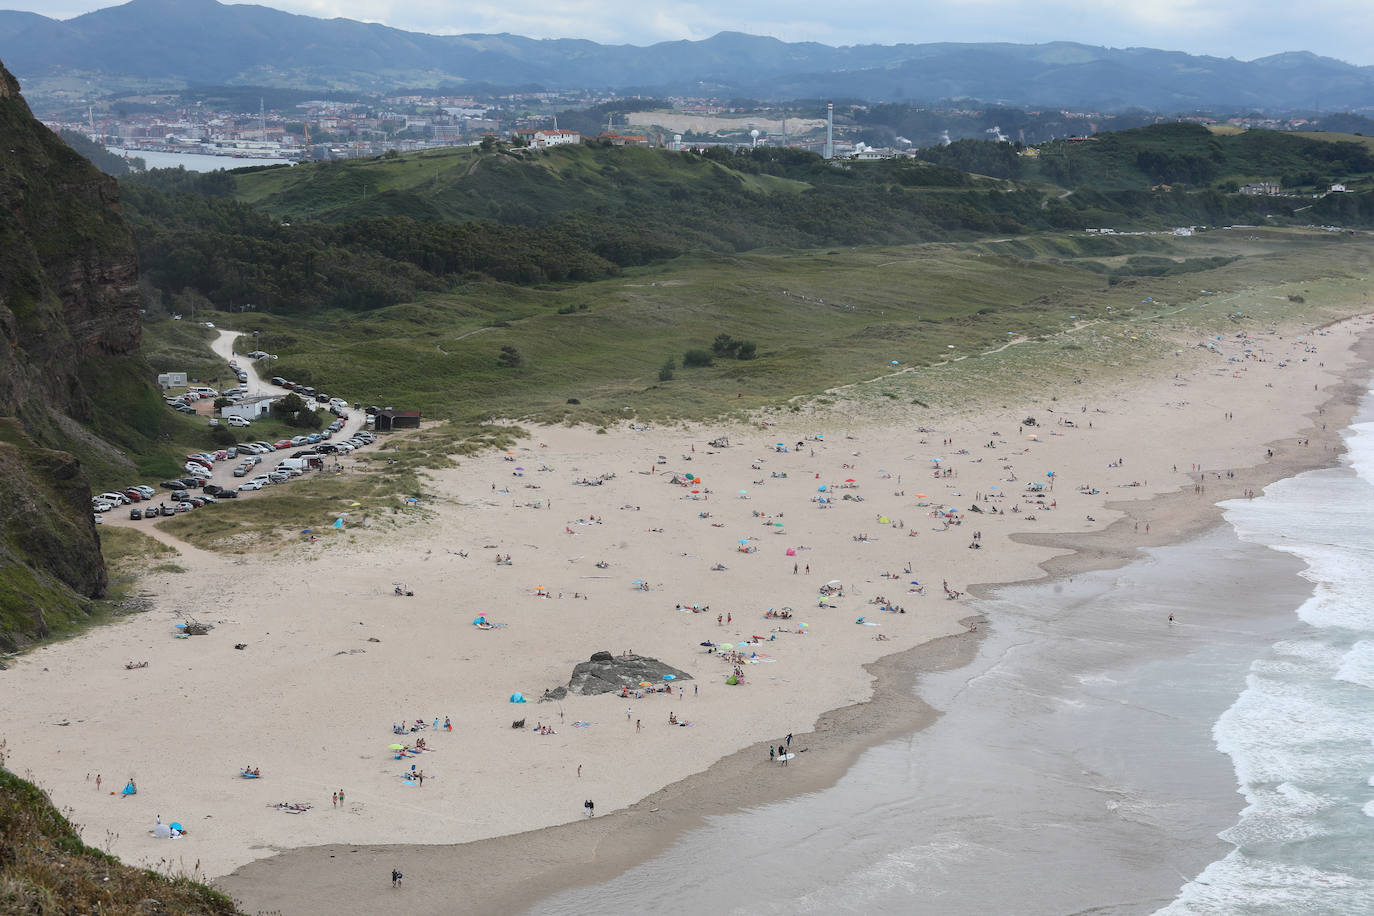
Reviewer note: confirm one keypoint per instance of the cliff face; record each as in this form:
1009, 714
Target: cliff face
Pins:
68, 295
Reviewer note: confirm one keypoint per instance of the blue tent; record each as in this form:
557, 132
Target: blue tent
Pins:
517, 698
480, 620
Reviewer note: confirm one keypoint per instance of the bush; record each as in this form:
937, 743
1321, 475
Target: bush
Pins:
695, 359
223, 435
747, 350
665, 374
510, 358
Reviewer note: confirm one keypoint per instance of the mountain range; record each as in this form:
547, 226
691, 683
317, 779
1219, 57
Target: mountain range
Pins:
178, 43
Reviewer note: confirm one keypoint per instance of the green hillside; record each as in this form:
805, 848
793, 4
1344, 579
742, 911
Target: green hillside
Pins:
1191, 155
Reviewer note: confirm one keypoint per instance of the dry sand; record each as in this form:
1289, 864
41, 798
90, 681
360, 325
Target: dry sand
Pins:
333, 657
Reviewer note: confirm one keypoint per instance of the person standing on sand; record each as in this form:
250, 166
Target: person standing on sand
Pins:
772, 754
336, 800
341, 798
97, 782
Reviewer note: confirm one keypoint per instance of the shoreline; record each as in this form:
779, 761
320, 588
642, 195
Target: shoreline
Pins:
522, 868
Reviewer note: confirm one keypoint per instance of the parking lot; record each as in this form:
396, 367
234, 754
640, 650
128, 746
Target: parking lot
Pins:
244, 470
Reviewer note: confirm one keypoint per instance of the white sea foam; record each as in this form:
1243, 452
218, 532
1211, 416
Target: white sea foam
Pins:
1299, 735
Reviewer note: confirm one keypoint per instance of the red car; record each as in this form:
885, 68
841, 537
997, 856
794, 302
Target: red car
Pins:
133, 494
282, 443
200, 461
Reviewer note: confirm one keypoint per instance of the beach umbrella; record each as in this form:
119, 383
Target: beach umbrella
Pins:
726, 645
920, 496
849, 480
645, 684
670, 677
822, 489
397, 747
307, 530
742, 492
744, 540
992, 488
355, 504
777, 524
833, 582
806, 626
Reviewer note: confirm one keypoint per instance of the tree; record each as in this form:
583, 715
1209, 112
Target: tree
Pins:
665, 374
510, 358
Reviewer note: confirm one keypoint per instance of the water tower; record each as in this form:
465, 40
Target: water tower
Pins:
754, 138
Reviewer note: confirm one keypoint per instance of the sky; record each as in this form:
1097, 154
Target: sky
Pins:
1244, 29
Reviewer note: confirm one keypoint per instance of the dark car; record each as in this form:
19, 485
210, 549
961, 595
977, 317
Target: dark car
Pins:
227, 494
212, 489
303, 453
173, 484
196, 501
136, 513
190, 483
180, 495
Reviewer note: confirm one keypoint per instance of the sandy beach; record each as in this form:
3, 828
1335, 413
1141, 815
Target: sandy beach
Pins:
333, 658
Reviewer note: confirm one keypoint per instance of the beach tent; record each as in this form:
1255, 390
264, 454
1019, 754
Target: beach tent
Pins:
480, 620
517, 698
884, 520
791, 551
338, 523
129, 789
732, 680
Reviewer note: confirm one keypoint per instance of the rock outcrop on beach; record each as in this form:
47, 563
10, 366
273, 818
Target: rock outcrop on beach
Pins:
605, 673
69, 305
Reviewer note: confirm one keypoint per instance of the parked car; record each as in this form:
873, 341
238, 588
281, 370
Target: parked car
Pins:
251, 485
299, 440
172, 485
169, 510
182, 408
100, 505
192, 483
133, 494
118, 499
196, 501
183, 507
227, 494
211, 489
281, 444
136, 514
241, 471
238, 421
147, 491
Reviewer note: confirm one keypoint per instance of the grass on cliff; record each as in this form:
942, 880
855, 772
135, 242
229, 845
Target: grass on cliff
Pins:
45, 868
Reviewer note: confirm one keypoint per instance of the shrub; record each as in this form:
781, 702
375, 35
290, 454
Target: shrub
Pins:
665, 374
697, 358
510, 358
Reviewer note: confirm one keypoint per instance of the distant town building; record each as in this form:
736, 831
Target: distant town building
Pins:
1261, 188
546, 138
172, 380
250, 408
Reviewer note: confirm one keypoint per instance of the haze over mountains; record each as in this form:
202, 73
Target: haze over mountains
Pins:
174, 43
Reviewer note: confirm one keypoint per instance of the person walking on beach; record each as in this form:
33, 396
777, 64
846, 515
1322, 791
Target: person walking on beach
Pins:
789, 739
772, 754
341, 798
97, 782
336, 800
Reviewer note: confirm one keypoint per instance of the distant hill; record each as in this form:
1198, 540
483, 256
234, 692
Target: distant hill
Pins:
172, 43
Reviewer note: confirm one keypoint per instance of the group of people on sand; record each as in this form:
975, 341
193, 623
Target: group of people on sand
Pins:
251, 771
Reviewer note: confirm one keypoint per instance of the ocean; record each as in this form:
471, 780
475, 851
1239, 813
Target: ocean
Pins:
1096, 757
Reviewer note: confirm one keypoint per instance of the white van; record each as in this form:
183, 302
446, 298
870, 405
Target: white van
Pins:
237, 421
204, 391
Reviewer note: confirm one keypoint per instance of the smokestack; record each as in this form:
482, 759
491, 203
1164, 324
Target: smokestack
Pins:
830, 130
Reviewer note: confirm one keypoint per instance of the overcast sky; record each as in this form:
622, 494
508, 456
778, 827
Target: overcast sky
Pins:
1244, 29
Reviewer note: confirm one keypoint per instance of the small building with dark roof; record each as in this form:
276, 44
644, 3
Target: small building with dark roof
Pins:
388, 420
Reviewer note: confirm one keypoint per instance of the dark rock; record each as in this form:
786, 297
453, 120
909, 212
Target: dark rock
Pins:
606, 673
555, 693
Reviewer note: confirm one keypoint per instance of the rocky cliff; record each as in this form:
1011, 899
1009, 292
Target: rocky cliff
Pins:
68, 301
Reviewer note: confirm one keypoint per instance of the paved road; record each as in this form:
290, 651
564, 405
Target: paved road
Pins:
223, 346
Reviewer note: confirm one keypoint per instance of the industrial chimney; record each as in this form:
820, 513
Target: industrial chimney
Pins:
830, 130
